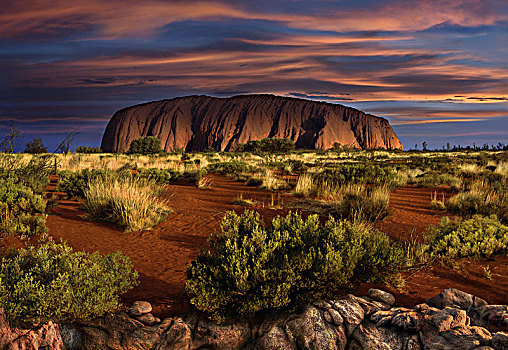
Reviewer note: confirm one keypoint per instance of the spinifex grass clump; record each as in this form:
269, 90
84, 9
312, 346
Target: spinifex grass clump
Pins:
482, 198
131, 203
51, 282
76, 183
476, 237
250, 267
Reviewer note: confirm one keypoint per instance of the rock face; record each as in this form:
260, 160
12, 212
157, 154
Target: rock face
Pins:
448, 321
196, 123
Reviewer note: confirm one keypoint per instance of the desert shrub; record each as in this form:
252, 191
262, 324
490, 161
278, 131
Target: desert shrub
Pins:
480, 199
433, 179
356, 173
145, 145
270, 145
130, 203
51, 282
22, 204
75, 183
21, 209
476, 237
251, 267
35, 146
85, 149
160, 176
359, 202
254, 181
233, 167
273, 183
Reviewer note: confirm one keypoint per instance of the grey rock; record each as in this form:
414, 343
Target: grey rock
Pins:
223, 336
489, 315
309, 330
45, 336
139, 308
148, 319
274, 339
500, 341
449, 318
351, 311
368, 336
381, 296
452, 297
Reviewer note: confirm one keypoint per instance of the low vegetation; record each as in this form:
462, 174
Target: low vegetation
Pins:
22, 202
250, 268
477, 237
131, 203
145, 145
52, 282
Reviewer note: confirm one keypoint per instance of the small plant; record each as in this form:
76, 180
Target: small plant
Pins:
243, 201
131, 203
51, 282
487, 274
89, 150
204, 182
305, 185
437, 204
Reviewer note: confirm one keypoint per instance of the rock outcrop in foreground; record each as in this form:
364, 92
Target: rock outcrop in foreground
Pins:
197, 123
451, 320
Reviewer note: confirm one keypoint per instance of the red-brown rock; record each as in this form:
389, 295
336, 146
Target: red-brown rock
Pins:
196, 123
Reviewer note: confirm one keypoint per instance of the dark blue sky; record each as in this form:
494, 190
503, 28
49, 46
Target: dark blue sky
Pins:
438, 70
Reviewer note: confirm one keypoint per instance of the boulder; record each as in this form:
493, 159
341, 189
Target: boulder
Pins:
45, 336
224, 336
452, 297
500, 341
139, 308
309, 330
351, 311
369, 336
381, 296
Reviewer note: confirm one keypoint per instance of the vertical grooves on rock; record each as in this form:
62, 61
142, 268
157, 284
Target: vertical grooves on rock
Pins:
196, 123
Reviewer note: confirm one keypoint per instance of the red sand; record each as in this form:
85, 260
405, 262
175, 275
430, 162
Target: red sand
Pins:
162, 254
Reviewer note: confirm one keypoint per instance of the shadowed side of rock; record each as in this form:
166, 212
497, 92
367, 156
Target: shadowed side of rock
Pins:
197, 123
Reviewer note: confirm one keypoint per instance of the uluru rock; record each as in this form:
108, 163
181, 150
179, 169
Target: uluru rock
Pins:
197, 123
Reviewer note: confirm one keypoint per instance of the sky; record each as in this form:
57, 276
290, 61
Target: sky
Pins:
437, 70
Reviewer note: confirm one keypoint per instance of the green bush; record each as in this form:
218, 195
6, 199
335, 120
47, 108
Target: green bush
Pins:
480, 199
75, 183
51, 282
160, 176
145, 145
251, 268
356, 173
267, 145
21, 210
476, 237
233, 167
85, 149
22, 204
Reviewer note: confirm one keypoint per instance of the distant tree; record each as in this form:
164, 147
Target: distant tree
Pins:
35, 146
145, 145
416, 146
8, 142
448, 146
424, 145
84, 149
268, 145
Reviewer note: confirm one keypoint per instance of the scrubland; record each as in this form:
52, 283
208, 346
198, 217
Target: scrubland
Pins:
327, 241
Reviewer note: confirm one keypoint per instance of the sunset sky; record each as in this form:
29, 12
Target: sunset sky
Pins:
437, 70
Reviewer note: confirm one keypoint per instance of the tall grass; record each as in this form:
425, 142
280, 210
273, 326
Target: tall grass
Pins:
131, 203
480, 199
